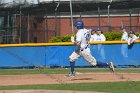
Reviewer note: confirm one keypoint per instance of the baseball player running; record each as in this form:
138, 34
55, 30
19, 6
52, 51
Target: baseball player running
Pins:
82, 41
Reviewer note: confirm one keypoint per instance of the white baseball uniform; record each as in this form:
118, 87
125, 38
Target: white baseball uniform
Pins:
124, 36
100, 48
83, 50
93, 37
124, 47
132, 39
101, 37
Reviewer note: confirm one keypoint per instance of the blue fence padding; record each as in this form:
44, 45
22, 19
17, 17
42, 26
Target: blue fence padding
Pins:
20, 56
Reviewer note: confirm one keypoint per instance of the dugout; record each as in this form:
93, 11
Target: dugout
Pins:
37, 21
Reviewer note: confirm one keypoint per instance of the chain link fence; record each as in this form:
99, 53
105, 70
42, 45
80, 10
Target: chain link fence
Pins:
38, 25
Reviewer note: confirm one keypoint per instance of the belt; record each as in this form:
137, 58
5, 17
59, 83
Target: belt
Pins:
84, 48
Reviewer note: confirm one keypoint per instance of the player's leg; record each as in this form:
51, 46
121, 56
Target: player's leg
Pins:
75, 55
91, 60
88, 57
103, 64
111, 66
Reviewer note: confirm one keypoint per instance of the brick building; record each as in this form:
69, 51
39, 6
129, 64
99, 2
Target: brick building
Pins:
40, 20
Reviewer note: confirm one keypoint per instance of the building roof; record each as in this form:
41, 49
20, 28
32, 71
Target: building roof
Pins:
49, 6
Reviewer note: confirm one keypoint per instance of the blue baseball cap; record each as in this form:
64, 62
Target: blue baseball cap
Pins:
92, 29
79, 24
99, 29
131, 32
123, 27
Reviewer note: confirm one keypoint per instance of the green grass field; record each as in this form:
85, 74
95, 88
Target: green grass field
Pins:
63, 71
111, 87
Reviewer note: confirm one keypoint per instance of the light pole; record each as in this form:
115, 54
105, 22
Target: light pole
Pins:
20, 36
99, 16
130, 12
109, 25
71, 17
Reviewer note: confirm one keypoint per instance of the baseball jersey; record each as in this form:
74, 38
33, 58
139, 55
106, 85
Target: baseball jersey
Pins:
133, 38
93, 37
101, 37
124, 36
83, 36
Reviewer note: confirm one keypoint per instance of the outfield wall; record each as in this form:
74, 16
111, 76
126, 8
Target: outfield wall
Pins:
57, 54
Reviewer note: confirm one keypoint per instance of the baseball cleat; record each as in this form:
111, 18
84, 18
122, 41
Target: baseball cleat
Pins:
70, 75
111, 67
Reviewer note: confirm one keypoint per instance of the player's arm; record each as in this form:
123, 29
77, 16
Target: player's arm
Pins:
89, 37
78, 38
75, 42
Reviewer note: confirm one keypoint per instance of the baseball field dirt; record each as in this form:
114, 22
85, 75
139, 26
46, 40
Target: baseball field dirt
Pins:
61, 79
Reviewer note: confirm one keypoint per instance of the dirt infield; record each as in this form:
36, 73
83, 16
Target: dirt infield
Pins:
61, 79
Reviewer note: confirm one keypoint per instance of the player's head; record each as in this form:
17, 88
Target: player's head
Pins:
99, 30
79, 24
123, 28
131, 33
93, 31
